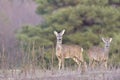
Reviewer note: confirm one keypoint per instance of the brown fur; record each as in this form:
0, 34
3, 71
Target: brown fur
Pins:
69, 51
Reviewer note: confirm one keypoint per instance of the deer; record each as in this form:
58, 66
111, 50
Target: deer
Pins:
98, 54
67, 51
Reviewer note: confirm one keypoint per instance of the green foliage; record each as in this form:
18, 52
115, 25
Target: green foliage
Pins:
48, 6
114, 59
85, 22
34, 34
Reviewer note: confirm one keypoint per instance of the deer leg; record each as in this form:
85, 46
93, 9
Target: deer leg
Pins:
77, 62
84, 66
105, 64
59, 64
81, 64
62, 63
101, 64
92, 64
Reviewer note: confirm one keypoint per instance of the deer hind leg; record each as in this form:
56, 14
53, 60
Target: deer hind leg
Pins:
81, 64
78, 63
84, 66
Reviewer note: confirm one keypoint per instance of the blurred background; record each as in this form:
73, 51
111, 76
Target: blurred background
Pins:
14, 14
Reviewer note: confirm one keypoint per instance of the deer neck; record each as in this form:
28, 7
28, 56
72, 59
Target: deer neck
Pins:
106, 50
58, 46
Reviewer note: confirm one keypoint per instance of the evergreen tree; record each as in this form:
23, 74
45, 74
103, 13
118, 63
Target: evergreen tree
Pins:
85, 21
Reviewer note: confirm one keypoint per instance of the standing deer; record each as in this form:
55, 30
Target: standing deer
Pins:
97, 54
67, 51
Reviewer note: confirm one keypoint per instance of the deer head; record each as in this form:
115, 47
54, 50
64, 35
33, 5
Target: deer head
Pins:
59, 36
107, 42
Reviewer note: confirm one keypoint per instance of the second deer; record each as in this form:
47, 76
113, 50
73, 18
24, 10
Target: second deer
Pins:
99, 55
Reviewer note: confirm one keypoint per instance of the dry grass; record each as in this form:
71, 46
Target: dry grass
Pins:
37, 74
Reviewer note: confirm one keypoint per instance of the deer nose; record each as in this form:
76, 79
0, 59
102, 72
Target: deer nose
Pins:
59, 39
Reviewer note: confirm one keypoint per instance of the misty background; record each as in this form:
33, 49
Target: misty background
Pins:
13, 15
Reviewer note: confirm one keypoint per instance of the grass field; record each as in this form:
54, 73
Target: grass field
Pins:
67, 74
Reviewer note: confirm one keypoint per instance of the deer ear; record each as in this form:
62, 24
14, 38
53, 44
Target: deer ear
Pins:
110, 39
56, 33
62, 32
103, 39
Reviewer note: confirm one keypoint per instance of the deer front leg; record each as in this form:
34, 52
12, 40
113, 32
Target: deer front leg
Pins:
59, 63
63, 63
92, 64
